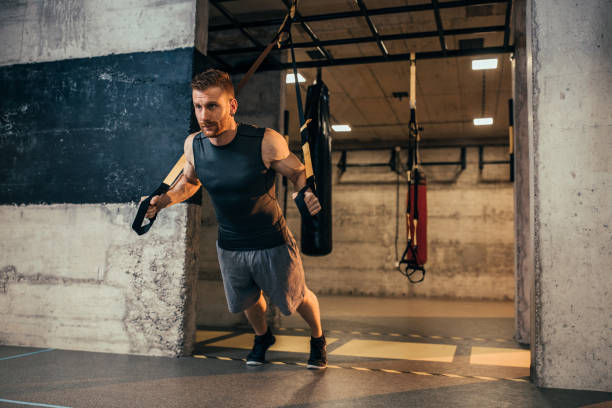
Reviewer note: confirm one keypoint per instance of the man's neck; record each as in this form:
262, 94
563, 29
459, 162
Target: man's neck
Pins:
226, 136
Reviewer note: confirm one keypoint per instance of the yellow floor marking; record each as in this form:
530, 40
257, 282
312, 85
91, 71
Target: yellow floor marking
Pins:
296, 344
355, 332
277, 362
453, 375
418, 336
374, 333
484, 378
198, 356
457, 338
390, 371
419, 373
336, 331
478, 338
301, 364
360, 368
300, 330
397, 350
516, 379
435, 337
497, 356
203, 335
501, 340
395, 334
282, 329
333, 366
224, 358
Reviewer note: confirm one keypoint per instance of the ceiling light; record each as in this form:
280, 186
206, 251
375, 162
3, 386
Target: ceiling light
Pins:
341, 128
484, 64
290, 79
483, 121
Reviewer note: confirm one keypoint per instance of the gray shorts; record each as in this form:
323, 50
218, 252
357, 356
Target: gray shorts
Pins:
277, 271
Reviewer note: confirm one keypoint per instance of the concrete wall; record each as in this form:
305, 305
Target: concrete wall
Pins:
470, 230
471, 241
96, 107
571, 48
52, 30
523, 221
76, 277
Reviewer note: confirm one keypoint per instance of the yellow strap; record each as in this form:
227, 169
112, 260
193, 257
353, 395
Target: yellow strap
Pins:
176, 171
416, 223
305, 125
412, 80
511, 136
307, 161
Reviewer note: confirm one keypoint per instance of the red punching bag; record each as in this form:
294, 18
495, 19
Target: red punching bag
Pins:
416, 218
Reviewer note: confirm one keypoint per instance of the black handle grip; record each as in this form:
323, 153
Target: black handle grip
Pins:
142, 211
301, 204
140, 216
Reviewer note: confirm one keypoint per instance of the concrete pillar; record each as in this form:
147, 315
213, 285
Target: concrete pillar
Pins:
94, 112
523, 215
571, 48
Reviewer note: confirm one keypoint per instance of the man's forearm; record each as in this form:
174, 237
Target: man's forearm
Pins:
299, 180
180, 192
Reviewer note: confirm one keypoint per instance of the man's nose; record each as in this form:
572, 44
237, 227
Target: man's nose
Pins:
202, 115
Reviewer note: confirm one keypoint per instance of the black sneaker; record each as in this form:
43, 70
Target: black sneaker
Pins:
257, 356
318, 354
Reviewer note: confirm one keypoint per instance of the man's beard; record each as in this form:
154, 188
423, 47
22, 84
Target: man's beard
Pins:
214, 125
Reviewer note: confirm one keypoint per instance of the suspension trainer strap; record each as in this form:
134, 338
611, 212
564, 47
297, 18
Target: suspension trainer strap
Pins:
177, 170
413, 270
310, 178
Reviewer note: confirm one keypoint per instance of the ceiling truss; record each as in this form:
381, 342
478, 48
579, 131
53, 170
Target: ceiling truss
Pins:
327, 60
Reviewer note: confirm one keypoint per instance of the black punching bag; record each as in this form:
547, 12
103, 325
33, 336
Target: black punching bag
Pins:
316, 234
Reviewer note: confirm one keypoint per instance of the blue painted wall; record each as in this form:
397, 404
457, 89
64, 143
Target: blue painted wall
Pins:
104, 129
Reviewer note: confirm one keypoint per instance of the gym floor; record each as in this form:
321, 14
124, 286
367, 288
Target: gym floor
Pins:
382, 353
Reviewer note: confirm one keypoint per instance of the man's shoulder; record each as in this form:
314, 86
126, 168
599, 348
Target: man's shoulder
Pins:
249, 130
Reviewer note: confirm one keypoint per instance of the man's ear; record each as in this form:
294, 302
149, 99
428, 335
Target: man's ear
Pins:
233, 106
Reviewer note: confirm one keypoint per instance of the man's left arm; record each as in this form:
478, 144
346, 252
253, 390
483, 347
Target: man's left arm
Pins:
276, 155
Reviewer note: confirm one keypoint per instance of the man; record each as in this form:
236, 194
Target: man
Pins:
237, 164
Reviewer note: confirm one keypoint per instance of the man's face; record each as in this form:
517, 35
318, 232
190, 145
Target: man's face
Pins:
214, 110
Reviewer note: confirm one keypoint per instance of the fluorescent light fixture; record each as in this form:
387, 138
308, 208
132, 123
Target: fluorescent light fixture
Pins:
484, 64
341, 128
483, 121
290, 79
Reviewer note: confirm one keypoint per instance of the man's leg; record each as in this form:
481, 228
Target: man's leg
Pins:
264, 338
309, 310
256, 315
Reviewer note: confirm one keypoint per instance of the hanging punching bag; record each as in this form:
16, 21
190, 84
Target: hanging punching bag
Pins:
416, 219
316, 232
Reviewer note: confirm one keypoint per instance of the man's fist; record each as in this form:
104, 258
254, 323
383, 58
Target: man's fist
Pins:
157, 203
311, 200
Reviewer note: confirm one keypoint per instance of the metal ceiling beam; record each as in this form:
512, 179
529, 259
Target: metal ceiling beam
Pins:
373, 29
380, 58
311, 34
350, 14
235, 22
436, 9
358, 40
507, 24
239, 26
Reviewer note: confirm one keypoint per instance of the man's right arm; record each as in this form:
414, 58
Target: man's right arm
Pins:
186, 186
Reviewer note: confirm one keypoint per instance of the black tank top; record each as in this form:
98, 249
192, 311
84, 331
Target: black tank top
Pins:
241, 189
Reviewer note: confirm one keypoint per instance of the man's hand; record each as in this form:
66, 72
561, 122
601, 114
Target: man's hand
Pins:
311, 200
157, 203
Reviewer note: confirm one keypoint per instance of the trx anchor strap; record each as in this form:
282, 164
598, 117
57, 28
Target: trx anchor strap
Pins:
177, 171
413, 258
310, 178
